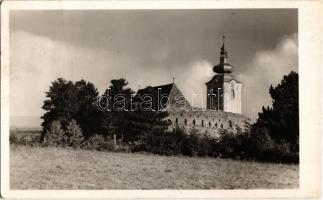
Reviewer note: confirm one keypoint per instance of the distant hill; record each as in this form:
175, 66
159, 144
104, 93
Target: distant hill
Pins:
25, 122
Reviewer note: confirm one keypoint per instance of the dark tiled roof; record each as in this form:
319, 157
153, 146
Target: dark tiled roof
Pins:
153, 91
164, 89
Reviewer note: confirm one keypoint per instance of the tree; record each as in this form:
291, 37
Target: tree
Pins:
130, 122
117, 101
55, 134
73, 135
88, 113
139, 122
61, 104
282, 119
66, 101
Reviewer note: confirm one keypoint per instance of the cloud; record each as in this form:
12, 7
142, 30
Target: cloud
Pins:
35, 61
191, 81
267, 68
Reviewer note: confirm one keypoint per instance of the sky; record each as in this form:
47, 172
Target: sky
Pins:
148, 47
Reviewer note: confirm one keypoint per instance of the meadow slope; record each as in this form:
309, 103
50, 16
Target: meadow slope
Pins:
58, 168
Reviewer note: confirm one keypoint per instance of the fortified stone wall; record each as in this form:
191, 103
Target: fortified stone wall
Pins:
207, 121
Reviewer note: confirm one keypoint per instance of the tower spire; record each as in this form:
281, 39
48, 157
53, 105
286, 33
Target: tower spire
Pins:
223, 66
223, 37
224, 53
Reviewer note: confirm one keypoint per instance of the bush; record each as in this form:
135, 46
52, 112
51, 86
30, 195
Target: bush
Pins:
54, 135
163, 143
99, 143
13, 139
176, 142
73, 134
32, 139
192, 144
228, 144
249, 144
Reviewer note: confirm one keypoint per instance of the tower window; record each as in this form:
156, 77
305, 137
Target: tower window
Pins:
230, 123
232, 94
185, 121
181, 114
203, 123
209, 124
176, 121
193, 122
221, 125
216, 125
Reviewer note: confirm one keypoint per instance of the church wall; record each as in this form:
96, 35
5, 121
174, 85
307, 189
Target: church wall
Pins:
210, 121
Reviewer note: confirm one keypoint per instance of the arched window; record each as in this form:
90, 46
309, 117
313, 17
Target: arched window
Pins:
232, 94
193, 122
185, 121
230, 123
209, 124
203, 123
176, 121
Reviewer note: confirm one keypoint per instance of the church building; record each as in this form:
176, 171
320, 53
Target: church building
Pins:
223, 109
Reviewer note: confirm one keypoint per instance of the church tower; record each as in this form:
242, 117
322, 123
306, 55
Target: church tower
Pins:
223, 91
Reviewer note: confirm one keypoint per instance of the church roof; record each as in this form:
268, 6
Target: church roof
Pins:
164, 89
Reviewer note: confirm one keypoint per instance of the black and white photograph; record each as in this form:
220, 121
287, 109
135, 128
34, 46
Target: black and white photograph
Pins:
153, 99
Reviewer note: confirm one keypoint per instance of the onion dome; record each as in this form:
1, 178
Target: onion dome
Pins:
223, 66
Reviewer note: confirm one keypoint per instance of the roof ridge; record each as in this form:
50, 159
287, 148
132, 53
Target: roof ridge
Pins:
158, 86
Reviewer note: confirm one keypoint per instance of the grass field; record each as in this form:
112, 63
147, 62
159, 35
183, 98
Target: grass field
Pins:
58, 168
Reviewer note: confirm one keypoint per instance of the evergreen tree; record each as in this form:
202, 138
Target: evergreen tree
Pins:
62, 104
88, 113
66, 101
73, 134
117, 101
282, 119
131, 122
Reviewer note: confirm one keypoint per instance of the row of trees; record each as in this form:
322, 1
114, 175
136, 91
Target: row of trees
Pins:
73, 106
78, 101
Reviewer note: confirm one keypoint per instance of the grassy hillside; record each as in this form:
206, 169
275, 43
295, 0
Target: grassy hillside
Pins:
58, 168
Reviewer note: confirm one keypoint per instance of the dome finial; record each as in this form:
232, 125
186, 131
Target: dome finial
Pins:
223, 54
223, 37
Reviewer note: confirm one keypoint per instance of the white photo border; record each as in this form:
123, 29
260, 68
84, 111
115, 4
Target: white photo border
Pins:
310, 33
